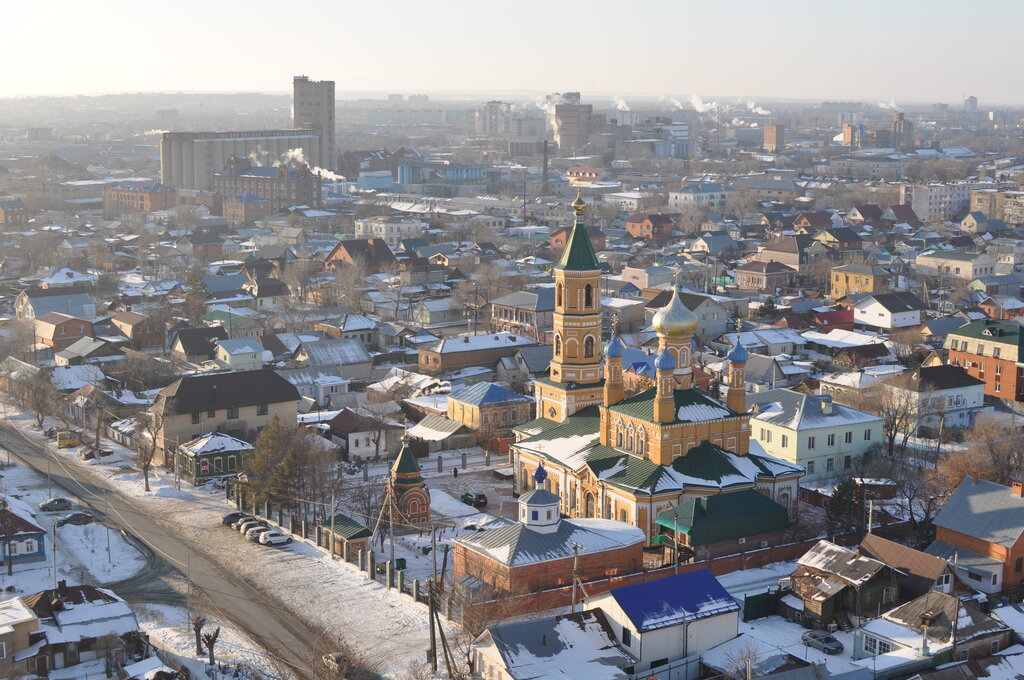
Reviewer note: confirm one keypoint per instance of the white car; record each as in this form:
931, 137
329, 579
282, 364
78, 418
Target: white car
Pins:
254, 533
275, 538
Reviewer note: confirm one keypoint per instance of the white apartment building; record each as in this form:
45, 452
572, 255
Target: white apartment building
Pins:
391, 230
711, 195
937, 202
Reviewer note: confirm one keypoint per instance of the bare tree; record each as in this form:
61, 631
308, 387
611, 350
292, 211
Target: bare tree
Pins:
210, 640
906, 343
39, 395
149, 425
348, 282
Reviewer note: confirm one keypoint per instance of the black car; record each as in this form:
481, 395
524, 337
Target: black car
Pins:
228, 520
474, 498
75, 518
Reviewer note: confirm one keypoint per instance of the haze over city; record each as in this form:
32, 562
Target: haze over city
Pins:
911, 51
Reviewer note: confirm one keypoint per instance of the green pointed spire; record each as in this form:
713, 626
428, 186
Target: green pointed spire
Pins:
579, 252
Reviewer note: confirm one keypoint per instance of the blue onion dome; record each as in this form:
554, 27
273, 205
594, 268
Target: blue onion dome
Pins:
665, 361
739, 353
615, 349
540, 475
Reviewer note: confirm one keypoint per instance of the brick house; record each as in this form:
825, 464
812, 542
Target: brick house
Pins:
58, 330
20, 623
133, 197
764, 276
528, 313
203, 246
536, 552
559, 237
489, 408
13, 211
651, 225
245, 209
371, 253
981, 530
469, 350
142, 330
990, 351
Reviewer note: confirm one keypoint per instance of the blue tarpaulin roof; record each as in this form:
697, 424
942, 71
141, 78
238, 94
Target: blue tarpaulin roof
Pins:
673, 600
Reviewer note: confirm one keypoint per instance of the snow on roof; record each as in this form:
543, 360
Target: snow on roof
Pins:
471, 343
839, 338
215, 442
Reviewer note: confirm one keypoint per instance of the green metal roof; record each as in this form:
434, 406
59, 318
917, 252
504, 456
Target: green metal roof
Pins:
346, 527
725, 517
406, 463
991, 330
690, 403
578, 255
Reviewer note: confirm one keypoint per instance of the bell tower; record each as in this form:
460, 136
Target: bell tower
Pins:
576, 373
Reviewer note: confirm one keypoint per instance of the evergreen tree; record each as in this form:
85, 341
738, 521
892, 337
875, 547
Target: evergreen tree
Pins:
846, 511
262, 468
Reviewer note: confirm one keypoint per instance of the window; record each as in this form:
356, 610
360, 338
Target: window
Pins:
810, 467
873, 646
1019, 564
261, 410
995, 646
588, 346
996, 351
810, 442
963, 655
218, 465
832, 440
534, 515
867, 435
981, 349
848, 437
999, 369
785, 441
588, 296
995, 579
973, 576
3, 650
210, 414
195, 418
627, 636
232, 413
558, 345
830, 464
232, 463
549, 514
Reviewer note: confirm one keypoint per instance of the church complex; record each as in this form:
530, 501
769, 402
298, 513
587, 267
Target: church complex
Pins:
632, 458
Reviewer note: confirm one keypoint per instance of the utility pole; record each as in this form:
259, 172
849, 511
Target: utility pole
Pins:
430, 600
675, 541
575, 573
54, 551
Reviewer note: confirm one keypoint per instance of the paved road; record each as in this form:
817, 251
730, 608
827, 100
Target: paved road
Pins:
281, 634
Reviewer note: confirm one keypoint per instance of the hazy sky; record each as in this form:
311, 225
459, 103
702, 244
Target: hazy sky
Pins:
907, 50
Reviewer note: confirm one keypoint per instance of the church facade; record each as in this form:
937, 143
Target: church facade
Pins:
629, 458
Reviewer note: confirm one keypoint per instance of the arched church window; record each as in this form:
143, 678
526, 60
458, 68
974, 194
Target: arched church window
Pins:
618, 439
558, 345
588, 346
588, 296
558, 295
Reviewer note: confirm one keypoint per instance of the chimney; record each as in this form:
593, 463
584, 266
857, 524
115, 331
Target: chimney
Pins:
1017, 489
974, 476
465, 338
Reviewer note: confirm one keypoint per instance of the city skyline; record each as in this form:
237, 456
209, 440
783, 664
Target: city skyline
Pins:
792, 50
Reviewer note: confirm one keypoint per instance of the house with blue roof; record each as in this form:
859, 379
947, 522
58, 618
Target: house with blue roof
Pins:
490, 408
668, 619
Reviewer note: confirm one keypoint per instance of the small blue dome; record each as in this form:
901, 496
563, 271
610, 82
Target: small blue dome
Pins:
614, 349
665, 361
540, 475
739, 354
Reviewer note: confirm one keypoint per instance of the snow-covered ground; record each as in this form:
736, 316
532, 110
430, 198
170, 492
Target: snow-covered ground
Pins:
169, 630
755, 581
102, 551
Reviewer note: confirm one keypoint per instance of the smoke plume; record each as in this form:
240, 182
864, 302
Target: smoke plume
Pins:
620, 103
754, 108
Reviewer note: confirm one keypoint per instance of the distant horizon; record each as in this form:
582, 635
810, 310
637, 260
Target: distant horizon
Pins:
791, 50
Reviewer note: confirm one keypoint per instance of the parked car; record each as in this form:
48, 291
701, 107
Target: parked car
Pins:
58, 503
275, 537
229, 519
253, 534
242, 520
76, 518
250, 524
819, 639
474, 498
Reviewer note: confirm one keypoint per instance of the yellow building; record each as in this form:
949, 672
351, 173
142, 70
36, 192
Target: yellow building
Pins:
853, 279
631, 458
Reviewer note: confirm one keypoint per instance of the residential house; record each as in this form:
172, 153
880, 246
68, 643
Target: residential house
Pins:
35, 302
917, 573
845, 242
142, 331
791, 251
526, 313
813, 221
347, 358
712, 196
373, 254
902, 214
469, 350
931, 630
560, 236
436, 432
238, 403
825, 438
19, 623
974, 222
671, 618
362, 437
77, 624
717, 243
653, 226
859, 214
578, 645
89, 350
64, 277
242, 354
942, 397
836, 585
853, 279
1003, 307
269, 293
13, 211
58, 330
203, 246
655, 276
527, 363
22, 540
489, 408
766, 341
955, 265
991, 351
980, 530
196, 345
319, 386
391, 229
212, 455
433, 313
890, 311
235, 323
764, 276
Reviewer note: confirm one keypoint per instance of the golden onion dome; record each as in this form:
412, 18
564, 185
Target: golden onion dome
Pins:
674, 320
578, 206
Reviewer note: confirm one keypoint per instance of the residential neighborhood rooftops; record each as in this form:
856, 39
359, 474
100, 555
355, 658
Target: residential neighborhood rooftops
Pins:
984, 510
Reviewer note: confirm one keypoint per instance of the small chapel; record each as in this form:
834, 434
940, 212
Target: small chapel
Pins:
632, 457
